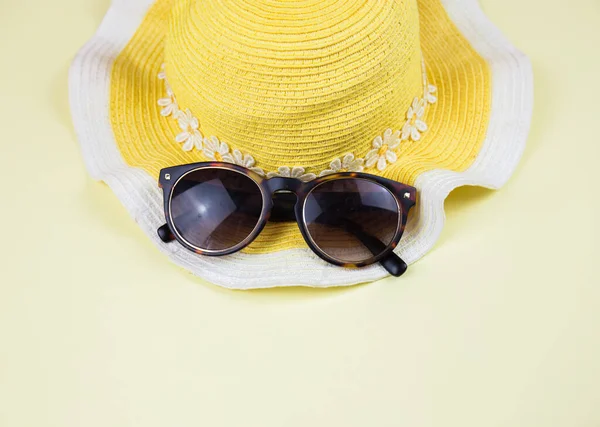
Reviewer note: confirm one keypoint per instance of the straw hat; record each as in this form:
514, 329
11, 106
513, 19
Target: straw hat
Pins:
426, 92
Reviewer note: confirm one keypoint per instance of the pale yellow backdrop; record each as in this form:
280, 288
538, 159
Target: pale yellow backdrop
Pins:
498, 326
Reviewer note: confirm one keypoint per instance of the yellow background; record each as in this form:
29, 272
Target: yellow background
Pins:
497, 326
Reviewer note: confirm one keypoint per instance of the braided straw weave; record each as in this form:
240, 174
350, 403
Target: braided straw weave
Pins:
297, 82
302, 83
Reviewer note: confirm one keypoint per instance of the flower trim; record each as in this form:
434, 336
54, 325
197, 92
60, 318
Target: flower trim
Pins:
384, 149
190, 135
347, 164
295, 172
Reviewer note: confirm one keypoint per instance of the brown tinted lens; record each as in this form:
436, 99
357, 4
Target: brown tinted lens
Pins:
215, 209
351, 220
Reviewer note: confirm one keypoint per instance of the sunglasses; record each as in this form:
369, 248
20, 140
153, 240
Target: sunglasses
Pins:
348, 219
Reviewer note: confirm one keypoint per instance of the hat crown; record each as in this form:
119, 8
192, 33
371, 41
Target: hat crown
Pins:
295, 83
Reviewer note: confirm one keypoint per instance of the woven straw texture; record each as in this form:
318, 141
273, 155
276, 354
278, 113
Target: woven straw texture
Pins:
299, 84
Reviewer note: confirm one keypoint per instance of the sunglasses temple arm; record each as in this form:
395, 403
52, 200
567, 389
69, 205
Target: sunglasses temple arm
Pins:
392, 262
165, 234
394, 265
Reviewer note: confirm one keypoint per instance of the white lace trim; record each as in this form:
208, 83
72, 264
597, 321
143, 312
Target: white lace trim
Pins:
384, 147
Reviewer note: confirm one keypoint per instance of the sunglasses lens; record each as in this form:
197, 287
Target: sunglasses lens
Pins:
351, 220
215, 209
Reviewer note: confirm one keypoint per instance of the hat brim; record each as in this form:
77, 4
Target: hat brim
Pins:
510, 108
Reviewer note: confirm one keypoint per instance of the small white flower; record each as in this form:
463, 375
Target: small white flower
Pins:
429, 96
169, 104
190, 135
414, 124
162, 75
246, 161
295, 172
347, 164
383, 150
217, 150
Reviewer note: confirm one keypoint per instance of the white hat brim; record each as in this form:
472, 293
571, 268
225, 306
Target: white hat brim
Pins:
512, 104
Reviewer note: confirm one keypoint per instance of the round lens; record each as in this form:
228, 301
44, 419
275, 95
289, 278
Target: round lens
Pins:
215, 209
351, 220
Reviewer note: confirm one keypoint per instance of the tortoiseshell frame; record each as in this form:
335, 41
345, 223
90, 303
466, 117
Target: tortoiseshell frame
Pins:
404, 195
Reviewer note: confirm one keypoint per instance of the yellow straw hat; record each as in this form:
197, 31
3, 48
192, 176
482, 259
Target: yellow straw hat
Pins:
426, 92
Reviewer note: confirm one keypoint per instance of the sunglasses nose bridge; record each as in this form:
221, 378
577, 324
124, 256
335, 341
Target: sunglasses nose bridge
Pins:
283, 184
284, 195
